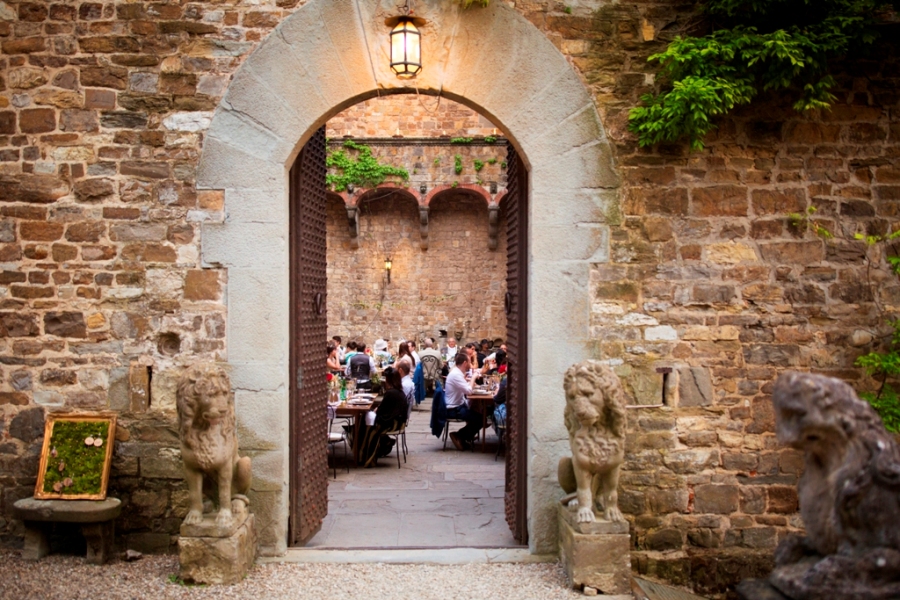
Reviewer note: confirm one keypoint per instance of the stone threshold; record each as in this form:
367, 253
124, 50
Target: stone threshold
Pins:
433, 556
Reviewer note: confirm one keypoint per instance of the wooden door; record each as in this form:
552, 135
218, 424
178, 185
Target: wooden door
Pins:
308, 331
516, 206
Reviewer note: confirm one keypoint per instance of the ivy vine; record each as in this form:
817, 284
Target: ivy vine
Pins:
363, 171
457, 164
755, 46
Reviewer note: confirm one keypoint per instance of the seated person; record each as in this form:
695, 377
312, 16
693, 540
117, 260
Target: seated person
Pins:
333, 361
390, 415
360, 367
341, 351
405, 355
455, 391
381, 353
409, 388
500, 397
348, 354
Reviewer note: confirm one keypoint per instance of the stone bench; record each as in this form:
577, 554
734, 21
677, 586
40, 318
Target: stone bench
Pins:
95, 516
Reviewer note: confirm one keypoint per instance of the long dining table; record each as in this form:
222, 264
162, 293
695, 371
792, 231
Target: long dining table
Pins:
482, 402
357, 412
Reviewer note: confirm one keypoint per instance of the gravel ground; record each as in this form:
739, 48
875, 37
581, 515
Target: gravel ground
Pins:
58, 577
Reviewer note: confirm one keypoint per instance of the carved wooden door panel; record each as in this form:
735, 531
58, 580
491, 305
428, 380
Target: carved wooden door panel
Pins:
308, 427
516, 206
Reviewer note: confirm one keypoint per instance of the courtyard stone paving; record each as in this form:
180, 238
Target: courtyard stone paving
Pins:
437, 499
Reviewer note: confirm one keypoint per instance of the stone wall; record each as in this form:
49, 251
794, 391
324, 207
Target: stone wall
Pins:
103, 108
457, 285
410, 115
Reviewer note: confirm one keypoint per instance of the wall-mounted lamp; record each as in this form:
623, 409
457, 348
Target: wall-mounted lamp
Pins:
406, 43
387, 268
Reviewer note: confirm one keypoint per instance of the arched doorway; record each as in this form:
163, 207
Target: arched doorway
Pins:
328, 55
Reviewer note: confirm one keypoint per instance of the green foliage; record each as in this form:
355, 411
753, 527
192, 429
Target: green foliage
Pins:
757, 46
490, 139
503, 165
437, 161
884, 365
479, 165
461, 140
468, 3
568, 10
492, 161
364, 171
457, 164
74, 460
455, 184
887, 405
801, 222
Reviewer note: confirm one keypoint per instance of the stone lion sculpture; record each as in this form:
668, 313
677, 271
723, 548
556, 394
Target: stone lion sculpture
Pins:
209, 446
595, 418
849, 494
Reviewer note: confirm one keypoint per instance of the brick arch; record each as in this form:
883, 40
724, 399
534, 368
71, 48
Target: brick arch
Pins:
470, 187
331, 54
365, 193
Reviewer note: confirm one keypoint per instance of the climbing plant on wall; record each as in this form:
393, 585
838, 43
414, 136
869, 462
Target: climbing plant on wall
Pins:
362, 171
754, 46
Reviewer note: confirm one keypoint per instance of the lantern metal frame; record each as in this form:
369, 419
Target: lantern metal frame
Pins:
406, 25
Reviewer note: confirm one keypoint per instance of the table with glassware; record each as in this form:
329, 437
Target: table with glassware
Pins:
354, 406
481, 399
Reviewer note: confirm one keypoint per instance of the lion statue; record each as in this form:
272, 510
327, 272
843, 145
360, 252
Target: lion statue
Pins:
209, 446
595, 418
849, 494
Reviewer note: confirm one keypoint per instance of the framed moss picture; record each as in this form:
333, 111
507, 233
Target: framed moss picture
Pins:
76, 456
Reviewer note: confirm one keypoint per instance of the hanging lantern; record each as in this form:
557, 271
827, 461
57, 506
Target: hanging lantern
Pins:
406, 45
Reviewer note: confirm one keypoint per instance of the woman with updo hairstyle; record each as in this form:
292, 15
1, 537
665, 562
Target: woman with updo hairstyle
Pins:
333, 362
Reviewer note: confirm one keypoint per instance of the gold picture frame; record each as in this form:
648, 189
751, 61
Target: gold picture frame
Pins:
74, 465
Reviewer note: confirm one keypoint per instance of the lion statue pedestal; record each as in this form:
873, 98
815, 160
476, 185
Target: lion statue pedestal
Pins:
593, 536
849, 497
216, 547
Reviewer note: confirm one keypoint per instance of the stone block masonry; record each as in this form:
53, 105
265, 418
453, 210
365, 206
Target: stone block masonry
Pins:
103, 113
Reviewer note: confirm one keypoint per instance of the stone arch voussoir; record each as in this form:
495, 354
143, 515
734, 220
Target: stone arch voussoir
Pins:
330, 54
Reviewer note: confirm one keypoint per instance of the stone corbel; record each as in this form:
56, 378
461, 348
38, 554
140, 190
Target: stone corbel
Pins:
493, 221
423, 226
353, 224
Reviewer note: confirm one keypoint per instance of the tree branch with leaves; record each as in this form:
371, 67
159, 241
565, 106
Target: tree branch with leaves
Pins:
755, 46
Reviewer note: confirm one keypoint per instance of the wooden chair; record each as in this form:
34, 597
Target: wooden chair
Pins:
399, 435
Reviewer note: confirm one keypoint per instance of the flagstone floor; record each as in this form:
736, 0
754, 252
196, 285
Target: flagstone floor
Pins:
437, 499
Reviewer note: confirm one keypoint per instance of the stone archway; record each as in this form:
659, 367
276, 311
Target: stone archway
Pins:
330, 54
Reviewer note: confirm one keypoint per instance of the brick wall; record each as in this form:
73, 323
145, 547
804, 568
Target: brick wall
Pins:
412, 116
102, 112
456, 285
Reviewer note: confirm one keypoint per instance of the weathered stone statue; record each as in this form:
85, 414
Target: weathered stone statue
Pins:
220, 549
209, 446
849, 497
594, 551
595, 418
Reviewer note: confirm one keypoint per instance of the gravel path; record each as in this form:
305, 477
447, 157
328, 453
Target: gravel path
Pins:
70, 578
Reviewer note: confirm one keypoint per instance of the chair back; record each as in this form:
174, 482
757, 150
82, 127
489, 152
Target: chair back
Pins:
431, 367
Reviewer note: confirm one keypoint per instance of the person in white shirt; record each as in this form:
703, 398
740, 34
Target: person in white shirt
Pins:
452, 349
409, 388
455, 392
412, 350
